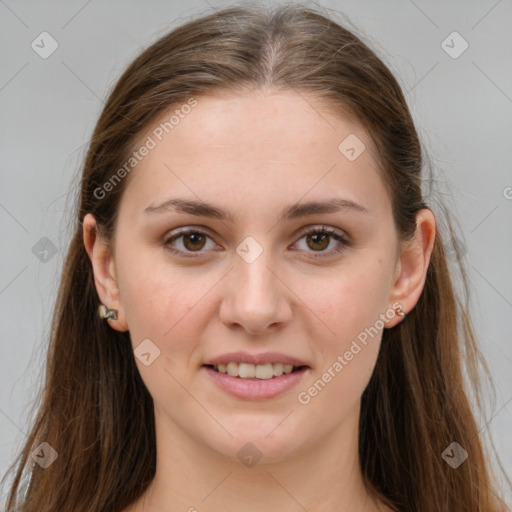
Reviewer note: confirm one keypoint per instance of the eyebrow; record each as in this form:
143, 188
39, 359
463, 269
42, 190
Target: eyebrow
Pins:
294, 211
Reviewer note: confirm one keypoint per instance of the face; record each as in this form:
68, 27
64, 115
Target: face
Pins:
256, 285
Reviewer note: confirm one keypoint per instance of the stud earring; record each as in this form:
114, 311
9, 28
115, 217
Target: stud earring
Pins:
104, 312
399, 311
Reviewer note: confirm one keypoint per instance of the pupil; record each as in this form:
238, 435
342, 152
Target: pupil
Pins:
320, 235
194, 239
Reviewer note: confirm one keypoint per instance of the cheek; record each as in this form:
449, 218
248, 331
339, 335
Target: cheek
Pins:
348, 300
164, 303
346, 357
349, 304
153, 298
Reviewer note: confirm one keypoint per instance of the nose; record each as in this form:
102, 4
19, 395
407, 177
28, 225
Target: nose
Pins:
256, 298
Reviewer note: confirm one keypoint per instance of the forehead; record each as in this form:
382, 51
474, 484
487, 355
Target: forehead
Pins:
265, 122
256, 148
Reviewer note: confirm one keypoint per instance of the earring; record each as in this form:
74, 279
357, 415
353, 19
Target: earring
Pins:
104, 312
399, 311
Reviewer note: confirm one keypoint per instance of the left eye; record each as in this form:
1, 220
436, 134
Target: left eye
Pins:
319, 238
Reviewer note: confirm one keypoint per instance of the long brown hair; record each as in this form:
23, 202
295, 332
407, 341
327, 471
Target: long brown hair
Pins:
95, 410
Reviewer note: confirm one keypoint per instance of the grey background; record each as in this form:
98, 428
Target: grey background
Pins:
462, 107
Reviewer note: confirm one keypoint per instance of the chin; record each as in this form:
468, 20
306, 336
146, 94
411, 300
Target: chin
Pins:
255, 442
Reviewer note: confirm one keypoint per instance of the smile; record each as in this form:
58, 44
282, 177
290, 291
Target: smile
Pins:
258, 371
267, 385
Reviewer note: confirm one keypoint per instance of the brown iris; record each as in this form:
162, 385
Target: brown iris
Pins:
195, 240
316, 239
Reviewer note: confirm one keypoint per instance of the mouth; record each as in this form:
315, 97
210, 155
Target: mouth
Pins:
255, 381
248, 371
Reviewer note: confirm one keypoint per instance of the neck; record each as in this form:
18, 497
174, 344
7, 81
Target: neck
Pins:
192, 477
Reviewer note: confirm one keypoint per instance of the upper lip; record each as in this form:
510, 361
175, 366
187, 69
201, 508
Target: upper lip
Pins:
262, 358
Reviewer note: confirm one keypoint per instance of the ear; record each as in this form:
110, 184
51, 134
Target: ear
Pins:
412, 266
103, 266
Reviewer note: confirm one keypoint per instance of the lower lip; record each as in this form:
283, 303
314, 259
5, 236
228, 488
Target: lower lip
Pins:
254, 389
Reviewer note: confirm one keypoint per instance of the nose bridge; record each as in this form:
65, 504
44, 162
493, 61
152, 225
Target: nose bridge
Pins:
256, 297
255, 286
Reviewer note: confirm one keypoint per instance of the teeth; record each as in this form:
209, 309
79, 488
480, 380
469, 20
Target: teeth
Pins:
232, 369
277, 369
263, 371
247, 371
260, 371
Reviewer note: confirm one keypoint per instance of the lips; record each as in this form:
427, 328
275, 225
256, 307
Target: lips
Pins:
256, 376
254, 388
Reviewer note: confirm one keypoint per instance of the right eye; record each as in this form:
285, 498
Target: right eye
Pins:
193, 241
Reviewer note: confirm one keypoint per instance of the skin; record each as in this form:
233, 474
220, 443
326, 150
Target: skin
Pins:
288, 300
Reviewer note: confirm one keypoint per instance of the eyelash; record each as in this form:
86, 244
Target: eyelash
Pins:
320, 254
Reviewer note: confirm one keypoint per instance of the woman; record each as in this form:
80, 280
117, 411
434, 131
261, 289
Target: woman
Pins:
256, 309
